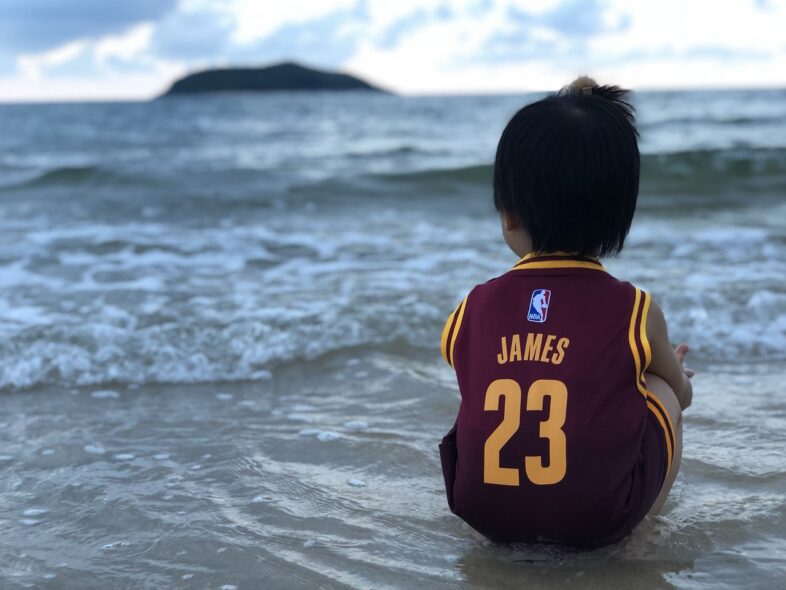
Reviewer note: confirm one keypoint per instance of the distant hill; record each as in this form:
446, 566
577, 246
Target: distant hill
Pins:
283, 76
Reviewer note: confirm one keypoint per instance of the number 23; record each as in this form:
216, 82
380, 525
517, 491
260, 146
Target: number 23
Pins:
550, 429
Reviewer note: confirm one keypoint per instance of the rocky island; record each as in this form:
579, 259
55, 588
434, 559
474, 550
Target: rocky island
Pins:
288, 76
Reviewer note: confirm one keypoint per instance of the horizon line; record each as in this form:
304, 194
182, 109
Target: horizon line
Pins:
436, 94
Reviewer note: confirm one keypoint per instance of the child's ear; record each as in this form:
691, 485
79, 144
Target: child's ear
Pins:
509, 222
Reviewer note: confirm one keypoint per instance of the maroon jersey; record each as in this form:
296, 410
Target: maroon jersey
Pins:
557, 437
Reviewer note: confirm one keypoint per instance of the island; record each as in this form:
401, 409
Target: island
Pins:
288, 76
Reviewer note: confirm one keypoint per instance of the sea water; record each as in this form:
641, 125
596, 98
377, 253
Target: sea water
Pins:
219, 334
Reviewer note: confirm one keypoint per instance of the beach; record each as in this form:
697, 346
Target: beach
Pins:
220, 326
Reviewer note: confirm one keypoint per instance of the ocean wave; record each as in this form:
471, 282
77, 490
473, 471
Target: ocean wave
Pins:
155, 346
474, 174
75, 176
720, 120
695, 172
98, 305
395, 151
119, 347
738, 163
698, 172
731, 163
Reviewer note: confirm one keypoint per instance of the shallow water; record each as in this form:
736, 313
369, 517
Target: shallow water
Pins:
327, 476
219, 335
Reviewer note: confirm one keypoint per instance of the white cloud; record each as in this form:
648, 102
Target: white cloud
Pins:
435, 46
681, 25
126, 46
32, 66
147, 78
669, 43
255, 19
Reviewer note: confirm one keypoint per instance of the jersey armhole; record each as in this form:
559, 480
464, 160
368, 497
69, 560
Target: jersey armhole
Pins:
451, 330
637, 337
642, 356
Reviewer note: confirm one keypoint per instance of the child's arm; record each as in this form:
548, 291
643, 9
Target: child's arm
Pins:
667, 363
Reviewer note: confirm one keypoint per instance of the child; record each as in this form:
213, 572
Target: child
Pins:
570, 427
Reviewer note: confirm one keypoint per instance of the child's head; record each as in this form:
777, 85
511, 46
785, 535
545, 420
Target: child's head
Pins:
566, 173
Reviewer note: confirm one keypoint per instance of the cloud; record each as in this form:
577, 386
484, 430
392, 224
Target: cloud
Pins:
328, 40
33, 66
194, 35
416, 46
256, 19
560, 32
28, 26
211, 36
93, 57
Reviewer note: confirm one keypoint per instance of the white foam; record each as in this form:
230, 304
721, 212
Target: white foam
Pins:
124, 456
357, 482
323, 435
224, 396
4, 458
105, 394
35, 511
327, 435
47, 452
161, 456
95, 449
355, 425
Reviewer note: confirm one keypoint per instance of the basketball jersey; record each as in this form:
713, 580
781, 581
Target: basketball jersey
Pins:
550, 360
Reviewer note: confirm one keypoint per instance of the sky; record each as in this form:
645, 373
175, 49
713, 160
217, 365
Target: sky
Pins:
53, 50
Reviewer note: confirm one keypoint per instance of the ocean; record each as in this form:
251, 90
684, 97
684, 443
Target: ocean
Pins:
219, 332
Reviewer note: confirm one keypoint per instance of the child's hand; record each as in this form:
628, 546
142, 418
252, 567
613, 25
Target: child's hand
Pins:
687, 391
681, 351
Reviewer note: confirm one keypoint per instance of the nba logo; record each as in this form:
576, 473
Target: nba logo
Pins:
539, 305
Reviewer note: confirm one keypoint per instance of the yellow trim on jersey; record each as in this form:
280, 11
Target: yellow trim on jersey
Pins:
446, 348
643, 332
669, 449
668, 430
632, 341
445, 330
638, 323
461, 309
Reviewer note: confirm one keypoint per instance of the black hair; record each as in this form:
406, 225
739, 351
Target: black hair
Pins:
567, 169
